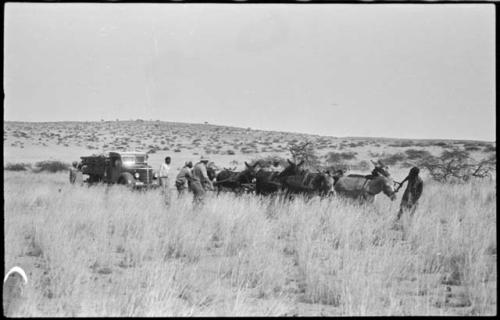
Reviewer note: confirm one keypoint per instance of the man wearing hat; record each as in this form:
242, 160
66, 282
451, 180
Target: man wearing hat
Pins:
184, 178
200, 182
412, 193
200, 172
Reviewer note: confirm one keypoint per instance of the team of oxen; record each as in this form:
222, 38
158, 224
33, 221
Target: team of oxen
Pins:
294, 179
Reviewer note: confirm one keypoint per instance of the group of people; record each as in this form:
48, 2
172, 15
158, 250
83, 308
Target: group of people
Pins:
194, 178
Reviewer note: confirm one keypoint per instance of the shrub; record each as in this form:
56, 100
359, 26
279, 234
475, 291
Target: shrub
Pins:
402, 144
17, 166
457, 165
333, 157
51, 166
269, 160
362, 165
441, 144
306, 152
472, 146
393, 159
417, 154
489, 148
231, 152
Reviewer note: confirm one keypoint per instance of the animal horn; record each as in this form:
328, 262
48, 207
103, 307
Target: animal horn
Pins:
290, 162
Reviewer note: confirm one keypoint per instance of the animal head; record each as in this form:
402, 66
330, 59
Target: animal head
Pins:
248, 175
387, 185
292, 169
325, 183
211, 172
380, 169
251, 168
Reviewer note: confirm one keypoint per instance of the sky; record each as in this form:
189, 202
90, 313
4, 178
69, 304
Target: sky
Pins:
423, 71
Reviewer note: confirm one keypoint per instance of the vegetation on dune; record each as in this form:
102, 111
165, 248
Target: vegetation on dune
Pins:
304, 151
95, 251
51, 166
457, 166
17, 166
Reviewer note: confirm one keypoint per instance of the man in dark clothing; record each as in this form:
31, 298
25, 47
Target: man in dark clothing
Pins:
412, 193
184, 178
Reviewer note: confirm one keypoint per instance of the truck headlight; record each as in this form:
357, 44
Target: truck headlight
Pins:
136, 175
155, 175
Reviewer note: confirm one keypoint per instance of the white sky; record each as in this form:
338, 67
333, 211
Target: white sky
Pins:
404, 71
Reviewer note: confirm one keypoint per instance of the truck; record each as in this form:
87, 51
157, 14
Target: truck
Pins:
126, 168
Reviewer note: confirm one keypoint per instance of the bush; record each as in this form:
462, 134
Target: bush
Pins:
393, 159
269, 161
457, 165
17, 166
362, 165
402, 144
417, 154
51, 166
333, 157
489, 148
306, 152
441, 144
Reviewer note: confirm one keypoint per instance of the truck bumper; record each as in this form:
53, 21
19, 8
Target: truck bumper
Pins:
143, 186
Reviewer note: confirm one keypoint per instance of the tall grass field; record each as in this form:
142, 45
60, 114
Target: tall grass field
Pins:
110, 251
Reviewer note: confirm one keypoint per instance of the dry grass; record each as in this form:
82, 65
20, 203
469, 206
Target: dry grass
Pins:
112, 252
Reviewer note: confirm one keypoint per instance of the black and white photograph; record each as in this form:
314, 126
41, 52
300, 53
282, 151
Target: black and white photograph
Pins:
238, 159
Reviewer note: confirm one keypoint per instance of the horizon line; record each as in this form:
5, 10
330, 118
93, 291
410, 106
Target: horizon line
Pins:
267, 130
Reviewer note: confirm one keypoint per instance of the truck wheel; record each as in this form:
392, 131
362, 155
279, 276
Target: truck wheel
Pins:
126, 179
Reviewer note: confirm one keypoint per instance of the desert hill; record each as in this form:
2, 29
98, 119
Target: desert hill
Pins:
225, 145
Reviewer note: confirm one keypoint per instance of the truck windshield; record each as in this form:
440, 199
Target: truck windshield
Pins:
138, 159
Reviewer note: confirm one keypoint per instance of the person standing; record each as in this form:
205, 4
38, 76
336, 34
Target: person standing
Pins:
184, 178
412, 193
163, 173
200, 172
201, 182
73, 172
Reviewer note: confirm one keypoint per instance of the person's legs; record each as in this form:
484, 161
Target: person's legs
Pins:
413, 209
404, 207
180, 188
165, 190
198, 193
400, 213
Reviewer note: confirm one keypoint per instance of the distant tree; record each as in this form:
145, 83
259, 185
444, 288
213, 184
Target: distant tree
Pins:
304, 152
457, 165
